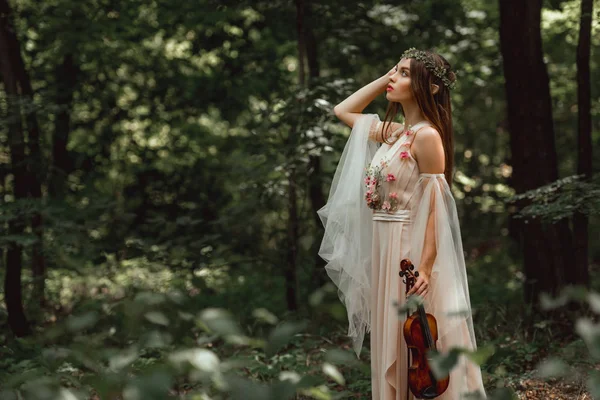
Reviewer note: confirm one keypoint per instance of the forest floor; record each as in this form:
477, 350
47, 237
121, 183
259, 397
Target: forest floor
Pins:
525, 383
536, 389
513, 365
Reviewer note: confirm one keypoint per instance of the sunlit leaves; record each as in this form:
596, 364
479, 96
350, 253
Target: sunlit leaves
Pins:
219, 321
201, 359
331, 371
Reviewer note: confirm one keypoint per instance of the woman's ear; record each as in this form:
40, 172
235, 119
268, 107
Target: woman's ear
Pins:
434, 88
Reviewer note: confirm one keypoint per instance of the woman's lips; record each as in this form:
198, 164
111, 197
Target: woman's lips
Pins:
389, 88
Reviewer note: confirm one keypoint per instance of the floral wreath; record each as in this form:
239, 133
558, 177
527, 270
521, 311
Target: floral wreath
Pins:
430, 64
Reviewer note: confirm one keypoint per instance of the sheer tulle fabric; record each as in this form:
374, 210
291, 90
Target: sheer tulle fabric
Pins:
346, 244
448, 299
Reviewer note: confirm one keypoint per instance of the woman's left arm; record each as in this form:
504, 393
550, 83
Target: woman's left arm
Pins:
429, 153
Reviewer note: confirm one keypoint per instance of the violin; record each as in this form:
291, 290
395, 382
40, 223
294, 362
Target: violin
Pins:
421, 334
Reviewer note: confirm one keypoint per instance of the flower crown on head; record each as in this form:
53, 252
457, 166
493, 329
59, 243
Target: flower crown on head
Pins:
427, 60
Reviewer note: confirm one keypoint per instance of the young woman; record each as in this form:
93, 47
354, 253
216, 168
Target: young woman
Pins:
390, 199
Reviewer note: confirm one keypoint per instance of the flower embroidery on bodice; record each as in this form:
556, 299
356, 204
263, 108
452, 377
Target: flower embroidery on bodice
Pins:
381, 176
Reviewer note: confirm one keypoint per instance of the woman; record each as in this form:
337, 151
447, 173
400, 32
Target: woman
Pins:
400, 207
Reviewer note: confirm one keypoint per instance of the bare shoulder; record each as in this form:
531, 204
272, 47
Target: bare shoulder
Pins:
428, 150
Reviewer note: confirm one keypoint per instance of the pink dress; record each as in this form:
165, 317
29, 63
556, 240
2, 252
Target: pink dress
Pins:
372, 221
394, 190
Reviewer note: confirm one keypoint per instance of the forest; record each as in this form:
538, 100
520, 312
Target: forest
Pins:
162, 164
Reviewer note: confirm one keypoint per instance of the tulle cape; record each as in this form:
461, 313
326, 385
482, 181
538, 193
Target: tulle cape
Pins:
348, 223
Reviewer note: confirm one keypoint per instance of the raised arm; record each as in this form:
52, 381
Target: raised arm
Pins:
351, 108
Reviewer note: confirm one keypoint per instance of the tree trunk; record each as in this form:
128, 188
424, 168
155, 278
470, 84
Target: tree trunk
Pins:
547, 248
579, 268
12, 281
35, 167
292, 251
35, 178
62, 163
300, 10
315, 185
293, 223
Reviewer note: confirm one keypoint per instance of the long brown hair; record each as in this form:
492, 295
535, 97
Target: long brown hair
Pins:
436, 108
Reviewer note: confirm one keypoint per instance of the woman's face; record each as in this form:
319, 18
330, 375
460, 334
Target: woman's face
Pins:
399, 89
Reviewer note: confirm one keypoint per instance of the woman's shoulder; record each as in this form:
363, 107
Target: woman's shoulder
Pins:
428, 150
428, 134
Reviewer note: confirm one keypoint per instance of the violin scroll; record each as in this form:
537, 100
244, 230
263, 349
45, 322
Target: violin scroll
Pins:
406, 270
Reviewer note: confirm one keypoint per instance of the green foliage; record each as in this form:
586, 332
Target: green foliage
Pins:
561, 199
153, 345
586, 328
183, 128
144, 344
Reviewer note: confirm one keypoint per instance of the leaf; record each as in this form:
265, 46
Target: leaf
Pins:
220, 321
8, 395
549, 303
594, 300
155, 385
504, 394
590, 333
411, 303
157, 317
66, 394
77, 323
458, 313
281, 335
149, 298
308, 381
282, 390
442, 363
265, 315
337, 356
201, 359
157, 339
593, 384
291, 376
332, 371
552, 368
316, 297
474, 396
244, 389
481, 355
122, 359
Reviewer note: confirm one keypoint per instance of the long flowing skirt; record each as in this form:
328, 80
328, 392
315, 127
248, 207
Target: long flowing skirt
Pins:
391, 243
389, 353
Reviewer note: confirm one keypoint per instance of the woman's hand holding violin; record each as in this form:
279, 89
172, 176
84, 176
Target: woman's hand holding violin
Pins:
421, 286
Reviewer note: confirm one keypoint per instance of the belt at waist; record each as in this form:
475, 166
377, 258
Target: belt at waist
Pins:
399, 215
